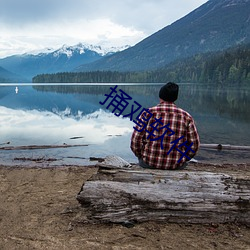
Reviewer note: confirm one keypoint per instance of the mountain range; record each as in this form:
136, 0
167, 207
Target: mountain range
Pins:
7, 76
64, 59
214, 26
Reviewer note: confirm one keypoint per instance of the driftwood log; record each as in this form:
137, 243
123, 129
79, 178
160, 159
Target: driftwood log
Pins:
30, 147
136, 195
224, 147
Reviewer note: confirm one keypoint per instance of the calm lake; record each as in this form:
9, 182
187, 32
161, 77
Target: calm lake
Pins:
56, 114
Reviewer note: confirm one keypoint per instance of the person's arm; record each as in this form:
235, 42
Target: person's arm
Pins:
139, 133
137, 143
193, 137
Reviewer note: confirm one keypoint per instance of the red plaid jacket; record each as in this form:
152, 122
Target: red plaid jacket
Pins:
165, 136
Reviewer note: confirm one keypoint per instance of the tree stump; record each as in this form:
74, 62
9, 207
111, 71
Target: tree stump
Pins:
138, 195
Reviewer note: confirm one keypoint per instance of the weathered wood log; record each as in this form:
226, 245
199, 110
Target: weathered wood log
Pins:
119, 195
224, 147
39, 159
29, 147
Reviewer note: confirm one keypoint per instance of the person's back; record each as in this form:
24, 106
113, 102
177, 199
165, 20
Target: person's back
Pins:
165, 136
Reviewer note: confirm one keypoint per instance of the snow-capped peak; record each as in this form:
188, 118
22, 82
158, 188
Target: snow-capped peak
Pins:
81, 48
40, 51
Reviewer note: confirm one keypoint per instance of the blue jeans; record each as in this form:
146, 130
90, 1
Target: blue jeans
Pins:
145, 165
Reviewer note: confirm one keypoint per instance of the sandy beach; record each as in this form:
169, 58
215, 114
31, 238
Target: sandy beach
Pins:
39, 210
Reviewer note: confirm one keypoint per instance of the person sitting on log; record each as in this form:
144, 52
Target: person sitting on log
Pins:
165, 136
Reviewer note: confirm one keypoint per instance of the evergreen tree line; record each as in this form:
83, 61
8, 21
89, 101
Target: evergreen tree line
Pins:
231, 66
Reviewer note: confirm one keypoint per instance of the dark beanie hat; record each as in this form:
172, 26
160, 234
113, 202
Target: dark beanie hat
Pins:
169, 92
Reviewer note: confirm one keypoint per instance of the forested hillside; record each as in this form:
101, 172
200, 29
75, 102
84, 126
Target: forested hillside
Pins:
230, 66
214, 26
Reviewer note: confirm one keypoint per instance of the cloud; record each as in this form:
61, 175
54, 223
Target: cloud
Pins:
142, 14
22, 12
38, 36
30, 24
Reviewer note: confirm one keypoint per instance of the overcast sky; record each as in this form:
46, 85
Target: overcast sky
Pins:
27, 25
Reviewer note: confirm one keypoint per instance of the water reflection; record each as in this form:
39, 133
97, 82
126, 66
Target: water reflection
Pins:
52, 114
225, 101
29, 127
